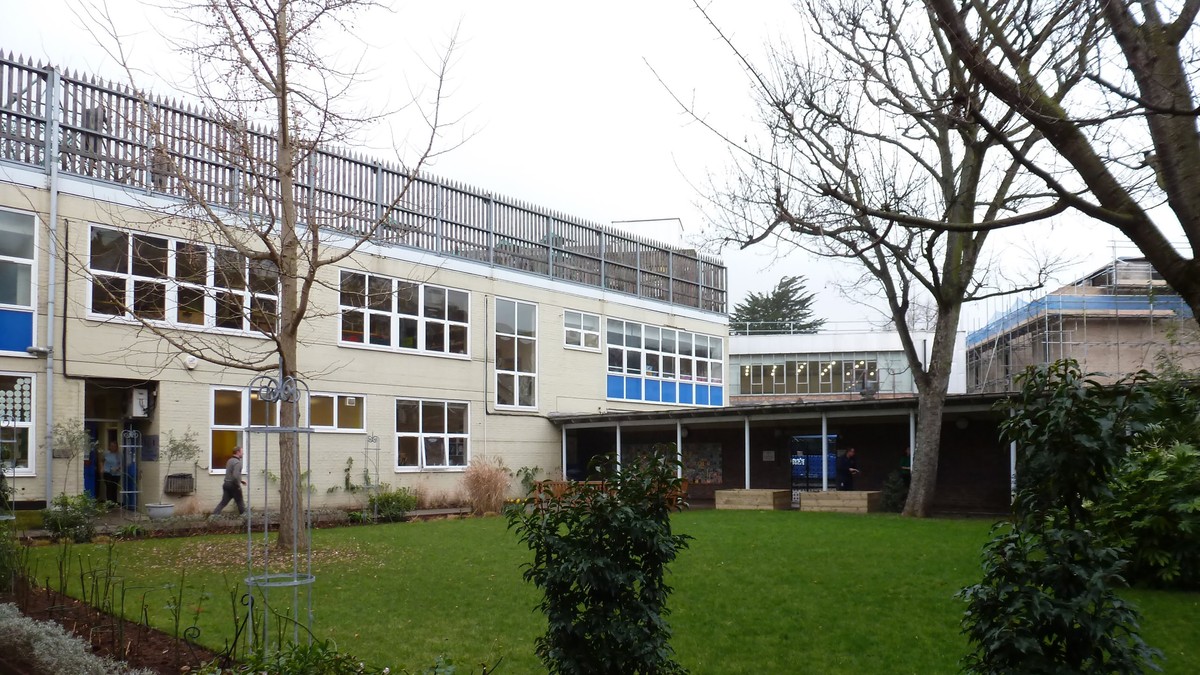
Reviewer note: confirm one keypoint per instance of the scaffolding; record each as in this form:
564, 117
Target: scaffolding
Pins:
1116, 321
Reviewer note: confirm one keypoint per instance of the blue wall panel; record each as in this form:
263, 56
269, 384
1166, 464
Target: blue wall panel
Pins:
616, 386
633, 388
16, 330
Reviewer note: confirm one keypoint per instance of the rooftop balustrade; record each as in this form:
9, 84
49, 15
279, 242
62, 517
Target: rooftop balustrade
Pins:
110, 133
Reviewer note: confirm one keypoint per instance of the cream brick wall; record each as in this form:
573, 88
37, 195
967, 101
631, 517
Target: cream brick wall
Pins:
568, 380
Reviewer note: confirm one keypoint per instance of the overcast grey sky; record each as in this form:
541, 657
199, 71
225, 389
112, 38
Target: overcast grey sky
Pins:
560, 105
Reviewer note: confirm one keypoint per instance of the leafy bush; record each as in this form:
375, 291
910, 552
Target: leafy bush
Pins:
528, 475
130, 531
1154, 514
73, 518
1048, 601
486, 484
894, 492
318, 658
600, 554
11, 557
392, 505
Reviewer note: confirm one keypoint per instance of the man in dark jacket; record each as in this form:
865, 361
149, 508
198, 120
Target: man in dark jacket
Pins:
231, 489
847, 469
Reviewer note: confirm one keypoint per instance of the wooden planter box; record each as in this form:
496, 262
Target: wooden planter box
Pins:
179, 484
842, 502
754, 499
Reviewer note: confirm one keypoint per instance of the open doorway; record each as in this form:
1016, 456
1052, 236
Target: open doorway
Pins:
117, 415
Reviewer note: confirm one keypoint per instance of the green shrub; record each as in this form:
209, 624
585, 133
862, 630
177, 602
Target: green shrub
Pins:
895, 492
600, 555
1048, 600
11, 557
1047, 604
392, 505
318, 658
73, 518
1154, 514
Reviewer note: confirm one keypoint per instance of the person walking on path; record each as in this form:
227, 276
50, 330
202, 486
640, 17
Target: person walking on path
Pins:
231, 489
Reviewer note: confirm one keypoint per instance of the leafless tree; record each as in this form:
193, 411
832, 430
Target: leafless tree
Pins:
1126, 149
269, 71
872, 149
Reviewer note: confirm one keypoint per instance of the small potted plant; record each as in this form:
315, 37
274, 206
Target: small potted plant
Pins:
184, 448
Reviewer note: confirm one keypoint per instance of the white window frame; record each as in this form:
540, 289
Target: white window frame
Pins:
337, 398
579, 332
28, 425
422, 434
515, 372
246, 398
625, 360
33, 280
248, 298
394, 317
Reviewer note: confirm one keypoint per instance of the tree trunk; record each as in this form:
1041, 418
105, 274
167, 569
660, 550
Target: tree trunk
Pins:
292, 520
923, 487
931, 399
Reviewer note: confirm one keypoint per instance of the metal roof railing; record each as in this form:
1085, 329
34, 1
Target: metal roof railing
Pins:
118, 136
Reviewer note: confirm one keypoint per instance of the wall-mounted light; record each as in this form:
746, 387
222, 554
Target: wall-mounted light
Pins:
39, 351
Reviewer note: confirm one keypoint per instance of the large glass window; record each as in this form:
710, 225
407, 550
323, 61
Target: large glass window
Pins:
516, 353
180, 283
581, 330
664, 353
233, 410
17, 232
663, 365
385, 312
431, 434
16, 423
339, 412
810, 373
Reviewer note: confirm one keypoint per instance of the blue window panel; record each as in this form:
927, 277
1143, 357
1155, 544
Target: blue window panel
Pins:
685, 393
716, 396
616, 386
668, 392
16, 330
633, 388
702, 394
653, 390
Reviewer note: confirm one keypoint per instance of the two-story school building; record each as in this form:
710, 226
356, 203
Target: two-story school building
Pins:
454, 333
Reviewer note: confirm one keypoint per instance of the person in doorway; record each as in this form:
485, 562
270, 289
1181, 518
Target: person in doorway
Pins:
847, 469
906, 465
231, 488
112, 473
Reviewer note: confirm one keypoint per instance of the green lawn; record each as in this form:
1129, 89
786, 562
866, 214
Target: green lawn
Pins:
757, 592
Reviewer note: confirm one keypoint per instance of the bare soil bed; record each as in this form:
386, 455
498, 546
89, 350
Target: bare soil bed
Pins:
138, 645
